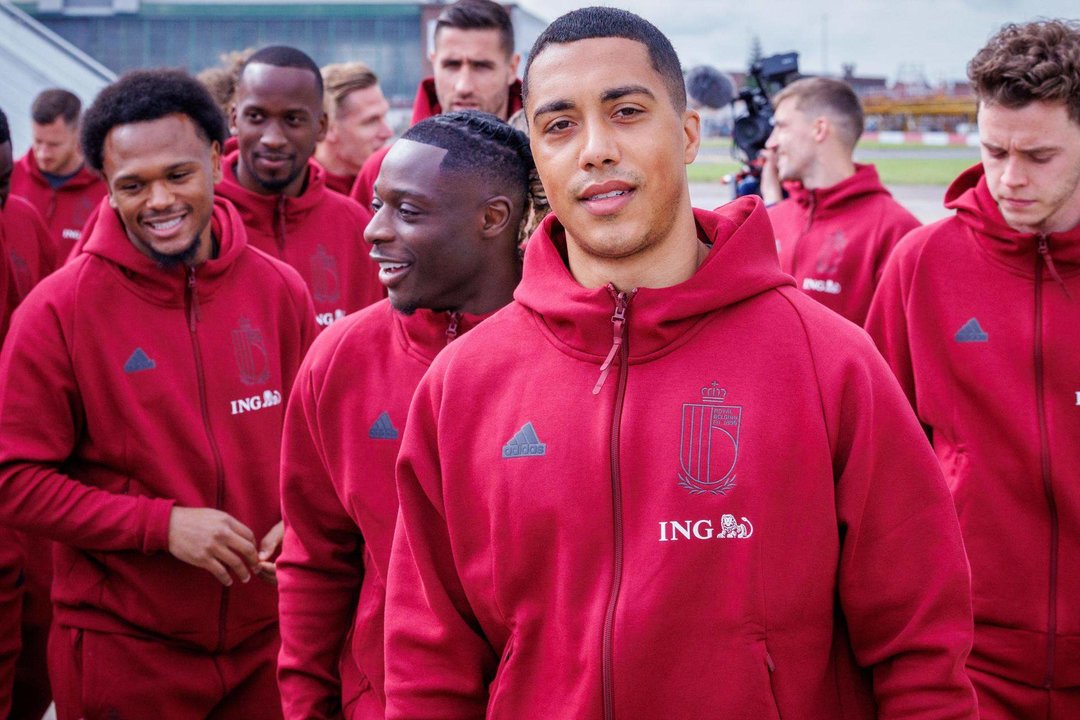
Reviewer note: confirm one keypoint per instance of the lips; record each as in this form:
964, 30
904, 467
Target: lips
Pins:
273, 161
391, 271
165, 226
607, 198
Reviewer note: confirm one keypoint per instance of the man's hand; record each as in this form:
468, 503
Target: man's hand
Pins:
214, 541
771, 189
268, 548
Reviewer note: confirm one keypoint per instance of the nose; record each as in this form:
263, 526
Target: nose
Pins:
599, 147
1013, 173
378, 230
272, 136
385, 133
772, 141
161, 197
463, 81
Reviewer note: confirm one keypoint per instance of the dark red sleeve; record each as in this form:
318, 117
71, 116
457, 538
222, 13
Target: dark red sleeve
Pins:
11, 581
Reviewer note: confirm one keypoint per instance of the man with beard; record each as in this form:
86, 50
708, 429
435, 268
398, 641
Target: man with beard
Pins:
663, 482
356, 128
278, 118
53, 176
978, 314
474, 66
141, 392
450, 200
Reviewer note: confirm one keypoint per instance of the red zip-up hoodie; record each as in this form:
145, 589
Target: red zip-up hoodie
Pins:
738, 517
425, 105
980, 323
320, 233
126, 389
31, 251
342, 433
64, 209
835, 240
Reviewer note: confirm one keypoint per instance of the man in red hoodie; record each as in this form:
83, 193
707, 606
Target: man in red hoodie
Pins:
451, 198
141, 391
978, 315
52, 175
663, 482
356, 122
281, 193
838, 225
474, 66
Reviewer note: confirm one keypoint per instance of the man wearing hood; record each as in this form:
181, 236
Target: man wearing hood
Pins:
280, 191
663, 482
837, 226
978, 315
141, 390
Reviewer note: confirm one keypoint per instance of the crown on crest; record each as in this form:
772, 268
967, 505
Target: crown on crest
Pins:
713, 393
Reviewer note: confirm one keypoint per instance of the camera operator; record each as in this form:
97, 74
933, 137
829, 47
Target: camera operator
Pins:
838, 225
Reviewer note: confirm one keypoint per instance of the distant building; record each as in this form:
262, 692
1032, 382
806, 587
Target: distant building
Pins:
390, 36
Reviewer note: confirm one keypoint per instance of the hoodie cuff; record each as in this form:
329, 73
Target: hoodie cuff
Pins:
156, 530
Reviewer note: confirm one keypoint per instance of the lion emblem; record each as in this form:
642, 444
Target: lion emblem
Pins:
731, 528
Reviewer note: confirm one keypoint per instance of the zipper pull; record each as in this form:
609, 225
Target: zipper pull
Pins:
618, 321
193, 307
1044, 250
452, 328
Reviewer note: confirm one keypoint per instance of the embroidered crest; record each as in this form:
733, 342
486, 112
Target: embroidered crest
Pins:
250, 352
325, 286
709, 444
831, 253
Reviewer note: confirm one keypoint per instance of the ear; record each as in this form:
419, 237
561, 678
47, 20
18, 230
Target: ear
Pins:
497, 214
215, 161
324, 121
515, 60
232, 119
691, 135
822, 129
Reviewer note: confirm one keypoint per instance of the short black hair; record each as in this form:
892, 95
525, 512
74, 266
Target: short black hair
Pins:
606, 22
54, 103
5, 130
478, 15
144, 95
284, 56
482, 145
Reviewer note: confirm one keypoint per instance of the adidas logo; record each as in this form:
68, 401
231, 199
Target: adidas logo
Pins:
971, 332
525, 443
383, 429
138, 362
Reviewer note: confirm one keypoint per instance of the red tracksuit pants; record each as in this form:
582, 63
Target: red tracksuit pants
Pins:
108, 676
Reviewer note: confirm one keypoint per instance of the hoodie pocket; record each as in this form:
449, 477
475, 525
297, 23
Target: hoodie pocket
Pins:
770, 669
496, 690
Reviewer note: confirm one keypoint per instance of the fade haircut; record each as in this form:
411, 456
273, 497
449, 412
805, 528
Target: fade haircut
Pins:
285, 57
340, 79
5, 130
604, 22
1034, 62
145, 95
55, 103
835, 99
478, 15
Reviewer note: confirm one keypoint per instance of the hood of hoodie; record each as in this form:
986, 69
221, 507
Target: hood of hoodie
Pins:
426, 104
109, 241
265, 214
741, 264
970, 197
834, 200
84, 176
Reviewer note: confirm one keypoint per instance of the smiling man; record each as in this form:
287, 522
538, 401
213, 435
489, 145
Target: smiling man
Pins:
141, 391
451, 197
290, 213
663, 482
978, 316
474, 68
53, 176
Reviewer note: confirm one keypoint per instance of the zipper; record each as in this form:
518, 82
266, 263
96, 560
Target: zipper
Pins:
621, 346
803, 234
279, 223
1044, 451
219, 466
50, 209
452, 328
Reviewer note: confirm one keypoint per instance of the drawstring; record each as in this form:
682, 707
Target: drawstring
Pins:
618, 321
452, 328
1044, 250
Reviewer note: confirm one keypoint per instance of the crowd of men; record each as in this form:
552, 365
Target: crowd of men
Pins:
298, 423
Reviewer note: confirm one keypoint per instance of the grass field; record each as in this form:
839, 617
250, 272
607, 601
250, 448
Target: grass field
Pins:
903, 169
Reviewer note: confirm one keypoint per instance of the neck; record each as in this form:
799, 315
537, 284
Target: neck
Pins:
495, 287
829, 170
663, 262
326, 157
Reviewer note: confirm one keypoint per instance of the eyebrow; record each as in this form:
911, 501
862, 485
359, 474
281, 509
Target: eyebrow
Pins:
606, 96
1026, 151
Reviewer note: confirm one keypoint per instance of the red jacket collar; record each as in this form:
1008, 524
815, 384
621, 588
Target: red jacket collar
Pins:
836, 198
259, 211
84, 177
427, 105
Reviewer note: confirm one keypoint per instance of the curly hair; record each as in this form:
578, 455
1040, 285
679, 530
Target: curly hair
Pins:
1034, 62
482, 145
144, 95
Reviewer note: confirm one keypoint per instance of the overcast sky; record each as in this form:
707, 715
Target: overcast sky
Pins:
936, 37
